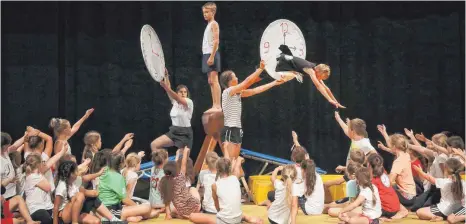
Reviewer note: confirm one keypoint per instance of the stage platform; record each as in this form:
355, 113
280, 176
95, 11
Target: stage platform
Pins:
301, 219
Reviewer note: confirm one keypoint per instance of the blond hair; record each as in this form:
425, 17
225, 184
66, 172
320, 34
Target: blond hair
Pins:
211, 160
289, 174
324, 70
399, 142
440, 139
358, 126
58, 125
210, 5
33, 161
132, 160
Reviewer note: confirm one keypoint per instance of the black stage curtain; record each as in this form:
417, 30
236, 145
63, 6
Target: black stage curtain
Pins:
397, 63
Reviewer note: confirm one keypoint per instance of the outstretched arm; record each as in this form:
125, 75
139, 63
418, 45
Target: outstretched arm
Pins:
422, 150
118, 147
78, 123
17, 143
251, 79
165, 83
330, 94
320, 87
384, 148
342, 124
294, 135
260, 89
424, 175
383, 130
410, 134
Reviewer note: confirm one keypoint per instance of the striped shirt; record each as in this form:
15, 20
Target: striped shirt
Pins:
231, 108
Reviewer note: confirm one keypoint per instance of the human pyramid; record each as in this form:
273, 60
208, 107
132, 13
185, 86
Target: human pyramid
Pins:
49, 186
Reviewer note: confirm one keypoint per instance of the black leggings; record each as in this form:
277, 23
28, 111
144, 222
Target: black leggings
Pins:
426, 199
44, 216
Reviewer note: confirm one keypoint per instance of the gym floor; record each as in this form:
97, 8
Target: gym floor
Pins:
302, 219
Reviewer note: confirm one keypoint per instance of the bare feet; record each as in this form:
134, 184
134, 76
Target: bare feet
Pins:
401, 214
134, 219
436, 219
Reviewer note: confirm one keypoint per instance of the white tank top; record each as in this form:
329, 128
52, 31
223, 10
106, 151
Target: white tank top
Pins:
229, 197
208, 40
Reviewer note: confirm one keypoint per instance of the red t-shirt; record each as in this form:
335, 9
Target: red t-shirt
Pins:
418, 163
388, 196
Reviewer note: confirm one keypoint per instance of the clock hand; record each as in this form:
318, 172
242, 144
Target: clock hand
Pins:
284, 35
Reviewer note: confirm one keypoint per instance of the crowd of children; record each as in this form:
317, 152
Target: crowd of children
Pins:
424, 179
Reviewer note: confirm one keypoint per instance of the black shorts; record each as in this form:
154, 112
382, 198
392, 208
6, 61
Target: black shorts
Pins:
232, 134
302, 203
90, 204
460, 211
434, 209
271, 196
342, 201
181, 136
215, 67
287, 62
388, 214
207, 212
116, 210
272, 222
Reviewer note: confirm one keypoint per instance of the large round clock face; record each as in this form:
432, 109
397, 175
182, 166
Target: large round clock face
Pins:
280, 32
152, 53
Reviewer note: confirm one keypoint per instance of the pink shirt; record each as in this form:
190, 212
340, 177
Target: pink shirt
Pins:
404, 179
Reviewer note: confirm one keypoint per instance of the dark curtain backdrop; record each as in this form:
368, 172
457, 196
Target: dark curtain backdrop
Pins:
397, 63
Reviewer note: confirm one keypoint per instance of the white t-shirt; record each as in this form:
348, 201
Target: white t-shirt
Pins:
231, 109
368, 209
229, 198
7, 171
448, 203
208, 40
36, 198
72, 190
180, 114
207, 179
279, 211
299, 187
362, 144
435, 170
48, 174
315, 202
131, 176
155, 198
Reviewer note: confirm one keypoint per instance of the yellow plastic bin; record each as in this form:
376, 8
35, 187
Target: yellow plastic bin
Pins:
260, 178
336, 191
260, 190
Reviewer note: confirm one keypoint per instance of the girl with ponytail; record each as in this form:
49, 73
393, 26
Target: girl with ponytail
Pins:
313, 200
279, 211
63, 130
37, 190
391, 207
226, 193
368, 197
451, 190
